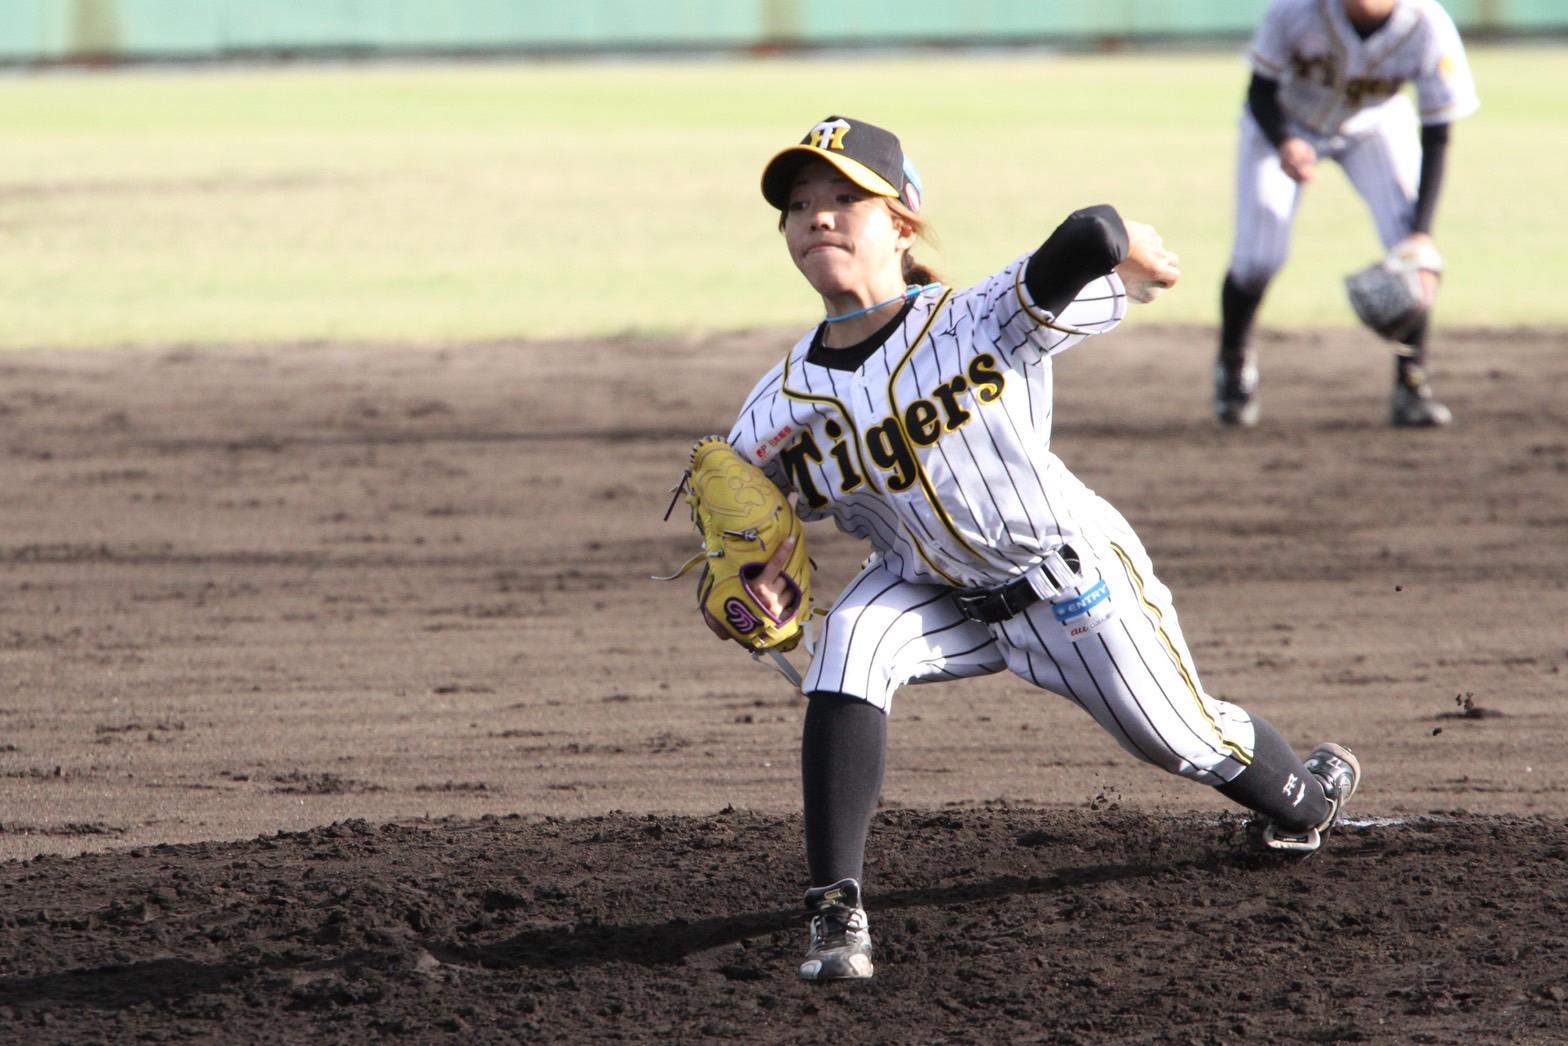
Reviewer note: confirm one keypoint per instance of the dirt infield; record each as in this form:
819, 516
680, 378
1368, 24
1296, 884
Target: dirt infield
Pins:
337, 707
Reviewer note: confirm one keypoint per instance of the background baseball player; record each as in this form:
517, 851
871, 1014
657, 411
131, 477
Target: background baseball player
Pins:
918, 417
1326, 82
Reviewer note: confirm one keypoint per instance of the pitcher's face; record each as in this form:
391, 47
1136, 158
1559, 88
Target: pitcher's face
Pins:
842, 238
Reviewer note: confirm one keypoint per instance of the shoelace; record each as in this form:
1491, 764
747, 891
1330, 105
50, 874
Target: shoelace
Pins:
830, 931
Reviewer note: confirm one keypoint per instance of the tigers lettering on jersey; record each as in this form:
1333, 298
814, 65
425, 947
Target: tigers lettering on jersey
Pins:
1332, 75
1319, 68
935, 447
1358, 90
888, 442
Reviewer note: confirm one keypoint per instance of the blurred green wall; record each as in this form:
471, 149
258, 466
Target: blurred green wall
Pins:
33, 31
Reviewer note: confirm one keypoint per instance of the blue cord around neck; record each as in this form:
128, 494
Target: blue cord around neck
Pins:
911, 291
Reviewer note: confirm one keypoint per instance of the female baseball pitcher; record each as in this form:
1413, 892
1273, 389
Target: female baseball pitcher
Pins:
919, 418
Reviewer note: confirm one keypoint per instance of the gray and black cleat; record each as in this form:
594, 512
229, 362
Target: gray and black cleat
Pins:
1339, 772
1412, 407
1236, 394
840, 947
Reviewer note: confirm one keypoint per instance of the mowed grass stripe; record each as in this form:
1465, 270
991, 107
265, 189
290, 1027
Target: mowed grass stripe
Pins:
454, 202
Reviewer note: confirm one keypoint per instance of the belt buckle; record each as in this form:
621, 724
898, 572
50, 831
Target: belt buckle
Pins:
969, 603
1016, 597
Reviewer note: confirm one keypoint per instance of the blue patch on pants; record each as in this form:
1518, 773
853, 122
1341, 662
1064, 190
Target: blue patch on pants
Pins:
1080, 605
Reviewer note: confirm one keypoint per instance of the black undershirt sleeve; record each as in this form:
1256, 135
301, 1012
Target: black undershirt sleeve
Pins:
1263, 101
1089, 243
1434, 157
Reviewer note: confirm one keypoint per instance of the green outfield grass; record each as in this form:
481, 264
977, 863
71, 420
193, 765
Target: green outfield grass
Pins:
440, 203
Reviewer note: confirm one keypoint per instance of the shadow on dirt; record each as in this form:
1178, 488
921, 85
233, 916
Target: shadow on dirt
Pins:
648, 944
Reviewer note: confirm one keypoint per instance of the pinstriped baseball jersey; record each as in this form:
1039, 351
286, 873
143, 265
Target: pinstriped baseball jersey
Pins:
1332, 81
932, 443
935, 448
1341, 94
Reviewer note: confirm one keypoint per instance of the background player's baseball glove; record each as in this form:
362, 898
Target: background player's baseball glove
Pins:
744, 519
1390, 295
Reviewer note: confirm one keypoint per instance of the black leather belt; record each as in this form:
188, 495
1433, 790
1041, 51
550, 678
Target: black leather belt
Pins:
991, 606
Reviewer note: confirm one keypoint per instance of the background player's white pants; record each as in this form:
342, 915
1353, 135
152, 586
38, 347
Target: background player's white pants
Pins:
1382, 161
1133, 674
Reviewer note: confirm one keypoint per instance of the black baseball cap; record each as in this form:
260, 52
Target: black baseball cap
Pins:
864, 153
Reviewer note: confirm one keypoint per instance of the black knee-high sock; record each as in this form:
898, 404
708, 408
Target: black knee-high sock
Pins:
1276, 785
842, 751
1410, 363
1238, 308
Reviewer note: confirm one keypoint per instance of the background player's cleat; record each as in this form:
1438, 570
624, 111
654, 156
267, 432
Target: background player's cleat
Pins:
1339, 771
1236, 394
1412, 406
840, 947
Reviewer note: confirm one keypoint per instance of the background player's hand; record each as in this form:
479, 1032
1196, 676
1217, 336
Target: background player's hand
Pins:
1149, 267
771, 588
1299, 159
1414, 245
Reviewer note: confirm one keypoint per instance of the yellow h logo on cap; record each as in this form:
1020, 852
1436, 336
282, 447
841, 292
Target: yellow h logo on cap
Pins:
829, 135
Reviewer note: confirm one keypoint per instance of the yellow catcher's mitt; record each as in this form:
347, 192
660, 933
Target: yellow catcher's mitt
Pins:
744, 519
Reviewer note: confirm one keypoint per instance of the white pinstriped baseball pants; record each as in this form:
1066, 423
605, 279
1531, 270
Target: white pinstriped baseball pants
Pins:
1133, 674
1382, 163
